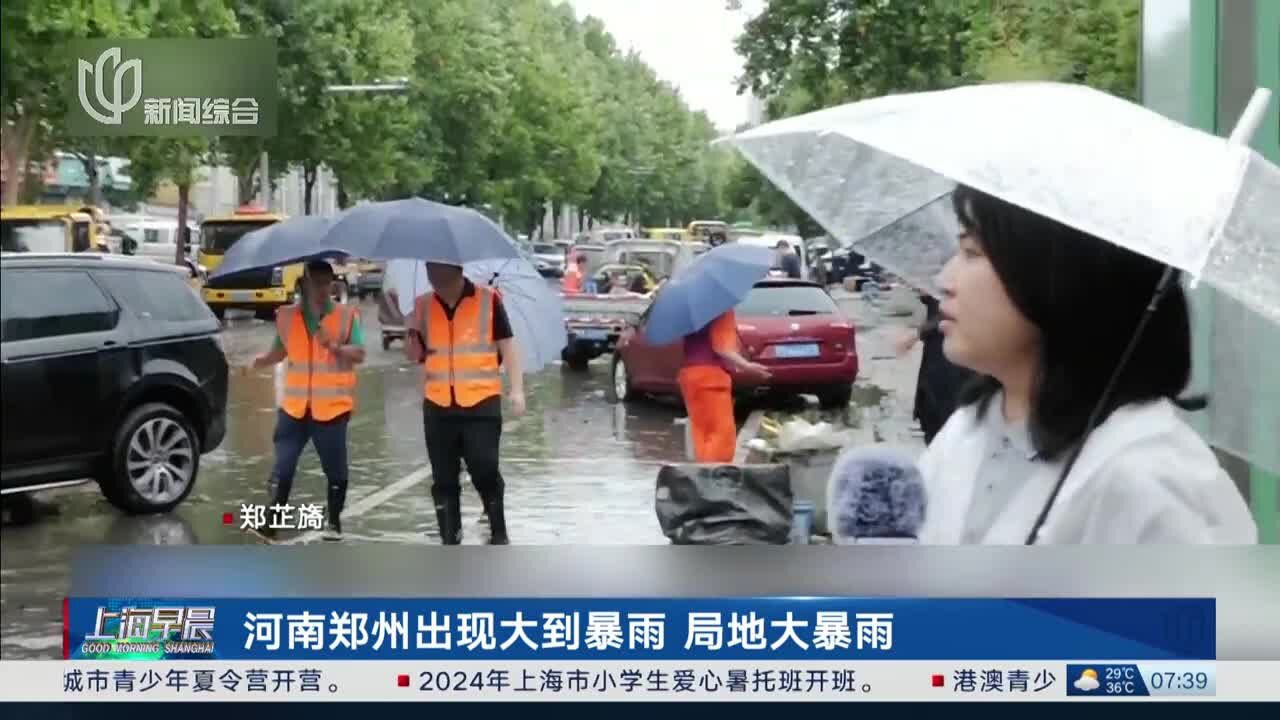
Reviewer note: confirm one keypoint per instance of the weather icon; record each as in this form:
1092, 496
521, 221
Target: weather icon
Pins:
1088, 680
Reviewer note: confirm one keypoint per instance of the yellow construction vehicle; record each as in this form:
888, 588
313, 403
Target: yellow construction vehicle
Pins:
50, 228
261, 291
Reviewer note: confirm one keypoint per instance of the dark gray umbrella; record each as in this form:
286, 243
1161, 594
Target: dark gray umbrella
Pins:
418, 229
282, 243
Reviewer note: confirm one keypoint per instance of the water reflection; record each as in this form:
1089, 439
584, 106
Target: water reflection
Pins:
171, 529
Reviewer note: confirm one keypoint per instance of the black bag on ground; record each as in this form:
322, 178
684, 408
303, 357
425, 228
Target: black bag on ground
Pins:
724, 504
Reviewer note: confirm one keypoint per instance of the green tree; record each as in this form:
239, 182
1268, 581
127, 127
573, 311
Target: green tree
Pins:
462, 80
339, 42
35, 69
1094, 42
802, 55
178, 160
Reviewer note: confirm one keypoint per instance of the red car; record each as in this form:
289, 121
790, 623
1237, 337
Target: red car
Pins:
790, 326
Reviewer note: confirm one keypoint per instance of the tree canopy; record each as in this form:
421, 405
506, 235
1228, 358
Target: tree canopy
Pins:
803, 55
511, 104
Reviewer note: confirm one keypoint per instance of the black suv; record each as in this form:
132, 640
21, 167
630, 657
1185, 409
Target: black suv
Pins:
113, 371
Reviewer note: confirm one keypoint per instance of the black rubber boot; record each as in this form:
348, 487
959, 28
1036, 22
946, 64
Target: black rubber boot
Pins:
337, 498
279, 496
493, 508
449, 518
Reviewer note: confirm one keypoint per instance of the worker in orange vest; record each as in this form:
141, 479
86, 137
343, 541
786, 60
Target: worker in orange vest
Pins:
321, 343
461, 334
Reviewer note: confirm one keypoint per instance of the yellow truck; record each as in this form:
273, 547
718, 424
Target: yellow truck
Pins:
261, 291
50, 228
663, 233
705, 230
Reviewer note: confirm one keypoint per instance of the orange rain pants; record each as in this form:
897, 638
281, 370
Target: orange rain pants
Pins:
708, 397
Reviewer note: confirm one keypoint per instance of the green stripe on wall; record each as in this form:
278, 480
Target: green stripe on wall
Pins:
1263, 487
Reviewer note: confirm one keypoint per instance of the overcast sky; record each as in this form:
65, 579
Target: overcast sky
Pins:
689, 43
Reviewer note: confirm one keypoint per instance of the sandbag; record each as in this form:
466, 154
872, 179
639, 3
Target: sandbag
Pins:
725, 504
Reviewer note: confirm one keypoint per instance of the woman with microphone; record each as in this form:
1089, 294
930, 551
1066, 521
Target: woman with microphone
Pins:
1046, 316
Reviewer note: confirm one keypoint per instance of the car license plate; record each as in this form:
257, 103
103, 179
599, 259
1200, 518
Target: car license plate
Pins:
797, 350
591, 334
241, 295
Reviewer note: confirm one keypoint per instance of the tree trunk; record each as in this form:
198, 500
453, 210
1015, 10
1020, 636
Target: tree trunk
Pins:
557, 209
533, 221
343, 199
309, 182
90, 162
16, 148
245, 187
184, 195
582, 219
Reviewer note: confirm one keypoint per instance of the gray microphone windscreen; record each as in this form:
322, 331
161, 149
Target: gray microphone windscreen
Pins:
875, 492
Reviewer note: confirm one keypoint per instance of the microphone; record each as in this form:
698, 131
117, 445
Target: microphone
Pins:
875, 496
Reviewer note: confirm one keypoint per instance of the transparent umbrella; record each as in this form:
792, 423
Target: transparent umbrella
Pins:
879, 174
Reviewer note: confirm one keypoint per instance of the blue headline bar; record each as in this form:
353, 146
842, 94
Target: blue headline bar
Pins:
652, 629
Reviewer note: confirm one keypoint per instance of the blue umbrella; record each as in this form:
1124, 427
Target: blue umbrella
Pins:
282, 243
419, 229
713, 284
535, 311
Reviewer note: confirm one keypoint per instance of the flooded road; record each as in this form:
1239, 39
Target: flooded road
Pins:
578, 470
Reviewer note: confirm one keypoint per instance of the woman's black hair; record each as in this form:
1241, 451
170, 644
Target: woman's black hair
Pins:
1086, 296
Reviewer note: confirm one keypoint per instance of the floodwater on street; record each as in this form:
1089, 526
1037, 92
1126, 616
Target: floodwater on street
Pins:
578, 470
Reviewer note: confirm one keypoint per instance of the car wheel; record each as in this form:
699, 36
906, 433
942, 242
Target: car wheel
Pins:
386, 342
837, 396
154, 461
220, 313
266, 315
619, 388
575, 360
341, 293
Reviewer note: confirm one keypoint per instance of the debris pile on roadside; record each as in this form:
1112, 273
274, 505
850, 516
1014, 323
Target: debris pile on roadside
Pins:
808, 443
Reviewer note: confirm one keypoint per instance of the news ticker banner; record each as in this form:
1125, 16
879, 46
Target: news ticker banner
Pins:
764, 679
592, 630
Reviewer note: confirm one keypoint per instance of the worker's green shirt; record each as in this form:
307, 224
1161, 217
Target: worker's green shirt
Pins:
313, 324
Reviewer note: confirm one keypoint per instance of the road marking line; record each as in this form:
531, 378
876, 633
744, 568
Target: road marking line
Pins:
369, 502
384, 494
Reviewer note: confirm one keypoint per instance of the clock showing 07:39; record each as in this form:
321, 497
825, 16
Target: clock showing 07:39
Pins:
1142, 679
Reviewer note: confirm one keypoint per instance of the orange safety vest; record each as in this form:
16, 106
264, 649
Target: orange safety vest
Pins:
313, 377
462, 358
572, 281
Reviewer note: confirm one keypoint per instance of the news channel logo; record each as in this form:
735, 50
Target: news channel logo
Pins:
173, 88
134, 631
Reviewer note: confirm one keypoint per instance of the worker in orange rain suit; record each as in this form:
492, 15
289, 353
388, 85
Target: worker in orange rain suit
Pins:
575, 275
707, 387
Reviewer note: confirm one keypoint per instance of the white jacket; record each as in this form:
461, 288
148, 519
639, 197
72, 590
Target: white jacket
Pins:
1144, 477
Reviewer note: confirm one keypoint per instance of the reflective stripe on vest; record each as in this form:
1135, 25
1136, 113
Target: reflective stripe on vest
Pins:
313, 378
462, 365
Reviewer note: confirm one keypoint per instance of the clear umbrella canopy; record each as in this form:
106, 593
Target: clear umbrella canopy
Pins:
879, 174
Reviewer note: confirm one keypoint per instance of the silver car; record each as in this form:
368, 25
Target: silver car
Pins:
548, 258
